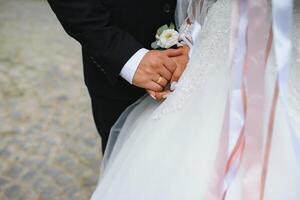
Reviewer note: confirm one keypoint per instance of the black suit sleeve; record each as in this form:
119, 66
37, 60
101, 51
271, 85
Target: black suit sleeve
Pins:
89, 22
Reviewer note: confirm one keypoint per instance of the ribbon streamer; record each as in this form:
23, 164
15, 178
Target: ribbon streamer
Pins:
237, 104
282, 30
216, 188
256, 59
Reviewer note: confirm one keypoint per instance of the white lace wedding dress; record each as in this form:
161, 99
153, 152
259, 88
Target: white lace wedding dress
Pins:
166, 151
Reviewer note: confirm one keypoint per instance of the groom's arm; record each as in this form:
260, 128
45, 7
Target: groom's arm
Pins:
89, 22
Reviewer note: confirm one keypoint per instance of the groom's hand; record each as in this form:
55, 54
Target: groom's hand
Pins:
156, 70
181, 62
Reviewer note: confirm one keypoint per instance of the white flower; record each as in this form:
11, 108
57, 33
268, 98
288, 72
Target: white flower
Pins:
168, 38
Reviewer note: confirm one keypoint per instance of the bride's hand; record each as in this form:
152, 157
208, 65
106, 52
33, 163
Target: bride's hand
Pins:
181, 62
159, 95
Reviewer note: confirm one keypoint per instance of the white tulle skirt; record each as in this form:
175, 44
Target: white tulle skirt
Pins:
167, 150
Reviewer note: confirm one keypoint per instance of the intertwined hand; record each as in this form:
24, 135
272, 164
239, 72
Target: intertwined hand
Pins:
181, 59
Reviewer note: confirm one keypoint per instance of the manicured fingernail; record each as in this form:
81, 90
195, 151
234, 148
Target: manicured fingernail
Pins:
153, 97
173, 86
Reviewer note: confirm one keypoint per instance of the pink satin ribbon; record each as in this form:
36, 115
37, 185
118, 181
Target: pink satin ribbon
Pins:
218, 187
238, 109
257, 41
247, 87
244, 143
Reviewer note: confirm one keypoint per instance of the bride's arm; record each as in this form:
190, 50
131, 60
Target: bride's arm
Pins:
195, 16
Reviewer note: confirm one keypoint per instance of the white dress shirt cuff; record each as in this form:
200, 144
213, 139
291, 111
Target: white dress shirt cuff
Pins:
132, 64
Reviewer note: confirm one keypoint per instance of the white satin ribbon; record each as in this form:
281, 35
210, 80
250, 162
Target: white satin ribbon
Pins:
237, 115
282, 31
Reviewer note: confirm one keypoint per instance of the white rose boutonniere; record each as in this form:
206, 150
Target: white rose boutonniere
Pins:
166, 37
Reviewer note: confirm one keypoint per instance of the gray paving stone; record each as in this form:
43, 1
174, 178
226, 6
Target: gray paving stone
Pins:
48, 193
89, 182
49, 147
16, 115
32, 163
28, 176
63, 180
27, 196
45, 189
2, 196
3, 182
14, 171
72, 191
13, 192
4, 153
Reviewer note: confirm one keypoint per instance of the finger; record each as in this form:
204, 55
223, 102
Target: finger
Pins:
183, 59
162, 81
151, 85
185, 49
177, 74
181, 66
173, 86
173, 52
170, 64
162, 95
152, 94
164, 72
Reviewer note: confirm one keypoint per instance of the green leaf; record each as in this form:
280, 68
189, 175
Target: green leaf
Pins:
162, 29
154, 45
172, 26
157, 37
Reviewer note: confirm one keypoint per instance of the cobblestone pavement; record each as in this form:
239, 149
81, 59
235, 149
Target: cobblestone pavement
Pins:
49, 147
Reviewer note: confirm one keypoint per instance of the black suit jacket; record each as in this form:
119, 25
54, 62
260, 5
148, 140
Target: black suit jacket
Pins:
110, 32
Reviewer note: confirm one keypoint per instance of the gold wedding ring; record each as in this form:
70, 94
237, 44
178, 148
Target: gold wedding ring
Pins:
160, 79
